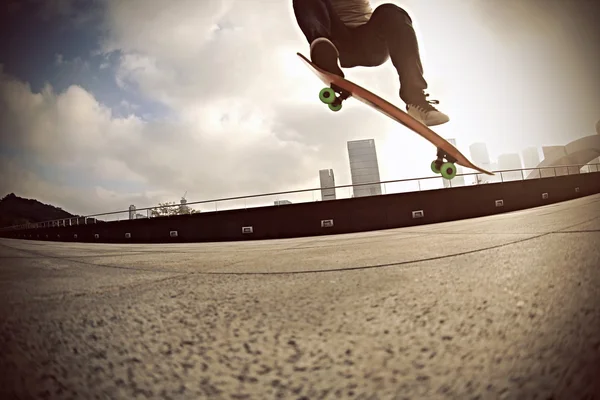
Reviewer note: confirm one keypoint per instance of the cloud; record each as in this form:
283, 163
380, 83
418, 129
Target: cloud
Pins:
237, 149
77, 12
192, 53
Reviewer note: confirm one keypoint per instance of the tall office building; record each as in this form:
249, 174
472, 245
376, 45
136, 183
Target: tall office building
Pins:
459, 180
510, 161
364, 167
493, 178
327, 180
479, 153
531, 159
132, 212
481, 158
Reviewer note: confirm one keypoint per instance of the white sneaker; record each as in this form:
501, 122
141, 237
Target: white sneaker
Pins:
427, 114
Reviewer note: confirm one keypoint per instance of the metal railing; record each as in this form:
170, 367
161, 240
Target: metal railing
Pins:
280, 199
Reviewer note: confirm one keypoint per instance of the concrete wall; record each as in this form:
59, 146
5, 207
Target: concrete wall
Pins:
348, 215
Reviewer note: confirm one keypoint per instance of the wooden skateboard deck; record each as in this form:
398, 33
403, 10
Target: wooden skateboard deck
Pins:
346, 89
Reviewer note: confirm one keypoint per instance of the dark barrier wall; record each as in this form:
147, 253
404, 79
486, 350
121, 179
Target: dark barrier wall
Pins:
347, 215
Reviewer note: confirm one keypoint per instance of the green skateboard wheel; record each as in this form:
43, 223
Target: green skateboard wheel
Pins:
327, 95
434, 168
448, 170
335, 107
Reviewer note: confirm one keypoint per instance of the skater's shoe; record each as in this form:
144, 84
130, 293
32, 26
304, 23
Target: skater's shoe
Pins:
427, 114
325, 55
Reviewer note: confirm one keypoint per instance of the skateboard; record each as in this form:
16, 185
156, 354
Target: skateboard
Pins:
340, 89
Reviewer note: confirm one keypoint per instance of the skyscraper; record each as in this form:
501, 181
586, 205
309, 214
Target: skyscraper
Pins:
510, 161
481, 158
479, 154
327, 180
459, 180
364, 167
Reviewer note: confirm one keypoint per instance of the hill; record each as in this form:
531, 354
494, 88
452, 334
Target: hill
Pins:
15, 210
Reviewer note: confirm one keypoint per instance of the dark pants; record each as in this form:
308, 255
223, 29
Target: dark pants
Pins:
388, 34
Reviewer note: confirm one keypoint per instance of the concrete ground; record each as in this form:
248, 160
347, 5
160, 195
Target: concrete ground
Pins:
502, 307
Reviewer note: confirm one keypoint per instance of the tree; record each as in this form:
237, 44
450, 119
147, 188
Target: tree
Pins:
172, 208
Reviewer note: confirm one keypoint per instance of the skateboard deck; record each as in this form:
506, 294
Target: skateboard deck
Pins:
345, 89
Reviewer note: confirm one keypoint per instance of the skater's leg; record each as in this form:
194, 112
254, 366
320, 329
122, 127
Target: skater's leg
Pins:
393, 26
314, 18
323, 31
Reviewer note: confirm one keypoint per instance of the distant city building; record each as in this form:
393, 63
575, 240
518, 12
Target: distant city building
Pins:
555, 153
364, 167
183, 207
459, 180
479, 153
492, 178
579, 152
282, 202
481, 158
132, 212
531, 158
510, 161
327, 180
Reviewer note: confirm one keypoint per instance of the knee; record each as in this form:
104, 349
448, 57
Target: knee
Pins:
393, 13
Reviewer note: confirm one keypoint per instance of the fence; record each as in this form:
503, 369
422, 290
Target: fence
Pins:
281, 199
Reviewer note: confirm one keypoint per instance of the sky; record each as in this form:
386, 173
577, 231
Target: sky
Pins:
106, 103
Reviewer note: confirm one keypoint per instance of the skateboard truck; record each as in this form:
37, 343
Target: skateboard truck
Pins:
329, 97
446, 169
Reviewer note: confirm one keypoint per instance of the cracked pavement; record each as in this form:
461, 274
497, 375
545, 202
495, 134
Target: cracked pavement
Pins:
501, 307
